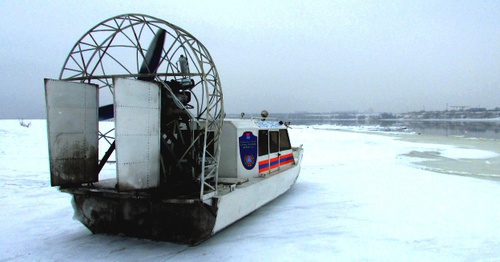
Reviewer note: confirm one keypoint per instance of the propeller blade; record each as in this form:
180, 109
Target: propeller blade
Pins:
153, 56
149, 66
106, 112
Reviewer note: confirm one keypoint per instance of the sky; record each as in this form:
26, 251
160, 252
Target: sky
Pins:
284, 56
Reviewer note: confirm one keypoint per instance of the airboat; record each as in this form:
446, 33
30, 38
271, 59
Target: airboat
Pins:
138, 136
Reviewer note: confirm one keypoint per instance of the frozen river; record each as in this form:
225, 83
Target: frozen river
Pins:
360, 196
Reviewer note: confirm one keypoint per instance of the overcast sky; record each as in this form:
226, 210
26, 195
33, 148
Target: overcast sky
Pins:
284, 56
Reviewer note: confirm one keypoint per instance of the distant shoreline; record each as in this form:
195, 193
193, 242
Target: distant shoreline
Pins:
446, 119
412, 120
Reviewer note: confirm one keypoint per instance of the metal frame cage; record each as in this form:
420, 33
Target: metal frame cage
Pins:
147, 48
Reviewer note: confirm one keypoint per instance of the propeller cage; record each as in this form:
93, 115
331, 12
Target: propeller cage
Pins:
160, 87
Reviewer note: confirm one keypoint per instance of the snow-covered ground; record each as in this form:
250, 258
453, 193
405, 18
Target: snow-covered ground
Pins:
360, 196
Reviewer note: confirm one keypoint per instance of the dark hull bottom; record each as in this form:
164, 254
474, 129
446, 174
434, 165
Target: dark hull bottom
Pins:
186, 222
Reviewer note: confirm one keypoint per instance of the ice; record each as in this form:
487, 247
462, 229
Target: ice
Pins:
458, 153
360, 196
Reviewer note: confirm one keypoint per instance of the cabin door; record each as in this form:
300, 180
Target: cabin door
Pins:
274, 151
269, 151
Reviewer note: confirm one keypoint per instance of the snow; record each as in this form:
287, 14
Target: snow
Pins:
468, 153
360, 196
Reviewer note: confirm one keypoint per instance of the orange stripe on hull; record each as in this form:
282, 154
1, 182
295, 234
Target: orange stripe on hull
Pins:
275, 162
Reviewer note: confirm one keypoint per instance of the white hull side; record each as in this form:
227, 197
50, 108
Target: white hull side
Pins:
246, 199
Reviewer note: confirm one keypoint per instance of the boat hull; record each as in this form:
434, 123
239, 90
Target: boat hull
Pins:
186, 221
181, 222
246, 199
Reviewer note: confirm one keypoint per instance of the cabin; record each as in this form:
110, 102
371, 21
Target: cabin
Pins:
253, 148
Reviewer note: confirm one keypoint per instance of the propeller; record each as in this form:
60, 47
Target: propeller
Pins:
149, 66
106, 112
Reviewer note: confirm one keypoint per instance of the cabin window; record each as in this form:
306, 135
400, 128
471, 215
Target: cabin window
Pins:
284, 140
263, 138
274, 141
271, 143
